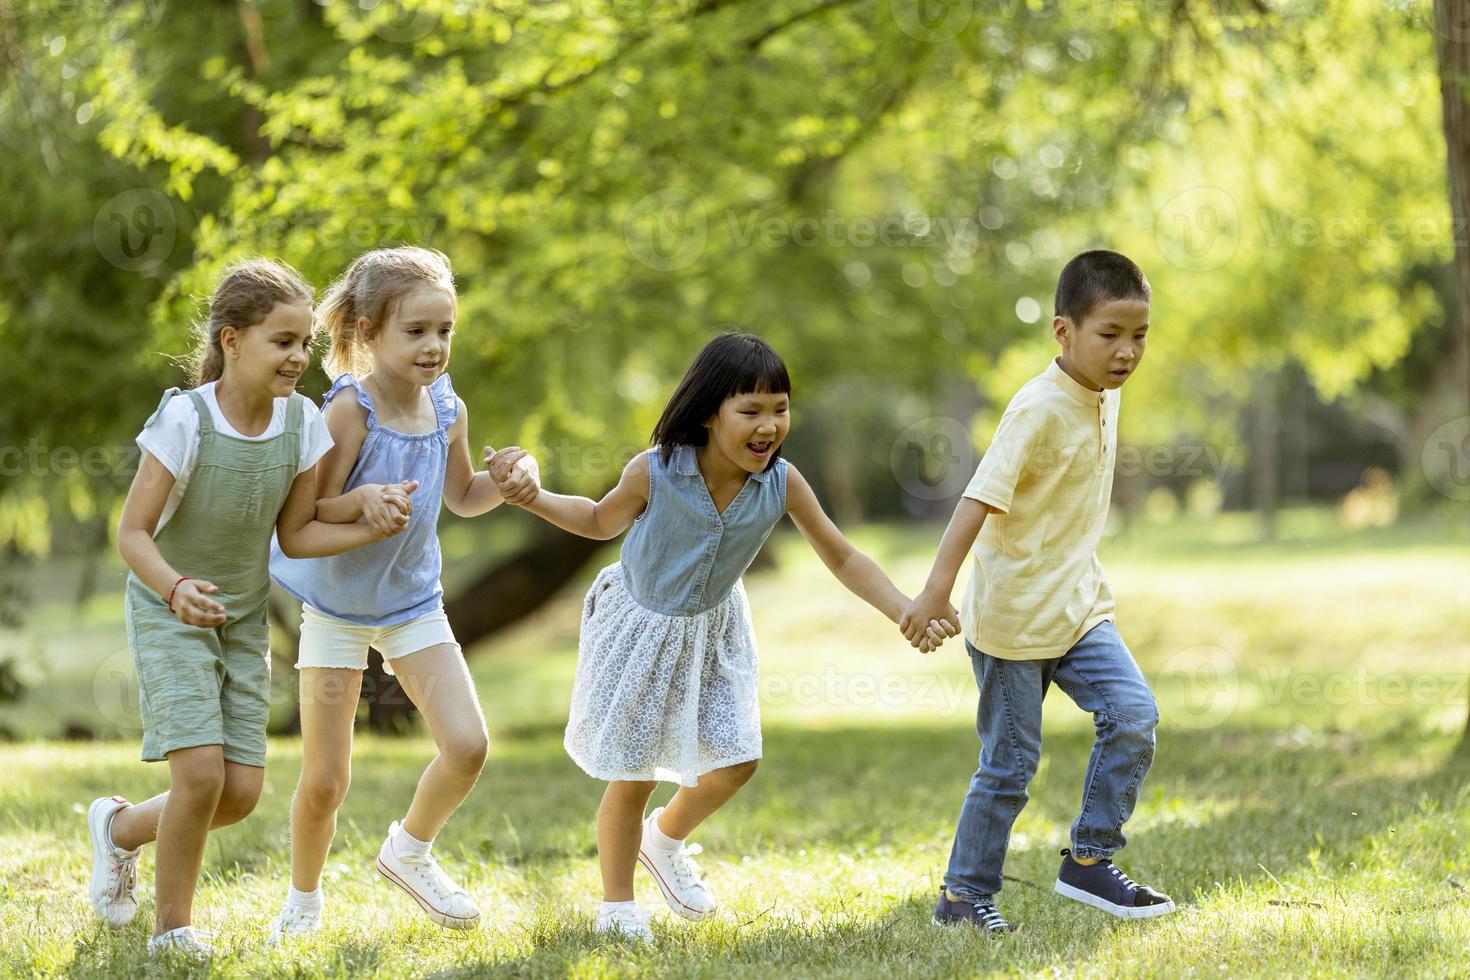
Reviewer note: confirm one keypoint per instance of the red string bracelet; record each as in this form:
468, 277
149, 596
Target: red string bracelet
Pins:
170, 603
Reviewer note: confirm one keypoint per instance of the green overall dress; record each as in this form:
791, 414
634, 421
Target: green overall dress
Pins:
203, 686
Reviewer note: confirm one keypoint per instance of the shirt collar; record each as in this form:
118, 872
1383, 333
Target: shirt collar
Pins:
686, 463
1079, 393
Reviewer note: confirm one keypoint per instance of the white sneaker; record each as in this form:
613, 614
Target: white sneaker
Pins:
625, 923
294, 922
183, 941
426, 883
676, 874
114, 871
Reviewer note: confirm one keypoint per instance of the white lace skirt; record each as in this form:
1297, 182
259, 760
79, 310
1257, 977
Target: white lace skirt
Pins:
662, 697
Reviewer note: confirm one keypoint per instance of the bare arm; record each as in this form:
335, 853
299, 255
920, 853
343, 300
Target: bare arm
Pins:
958, 538
301, 535
601, 520
467, 493
382, 505
141, 511
859, 573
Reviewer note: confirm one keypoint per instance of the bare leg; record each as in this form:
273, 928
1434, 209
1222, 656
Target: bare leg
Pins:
328, 705
138, 824
692, 805
197, 780
619, 834
439, 683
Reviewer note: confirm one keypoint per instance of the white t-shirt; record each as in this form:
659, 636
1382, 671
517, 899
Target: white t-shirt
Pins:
173, 438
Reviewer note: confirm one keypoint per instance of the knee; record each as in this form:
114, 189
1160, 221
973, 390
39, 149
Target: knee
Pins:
235, 804
464, 753
740, 773
1138, 720
321, 793
199, 783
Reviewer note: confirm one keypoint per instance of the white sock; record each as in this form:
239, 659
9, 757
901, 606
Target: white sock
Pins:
659, 839
406, 844
306, 900
614, 906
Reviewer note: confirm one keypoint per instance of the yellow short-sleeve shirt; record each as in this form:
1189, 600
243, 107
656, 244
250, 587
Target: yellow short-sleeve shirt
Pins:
1036, 586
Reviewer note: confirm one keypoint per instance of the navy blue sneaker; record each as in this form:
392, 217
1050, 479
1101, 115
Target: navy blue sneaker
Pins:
1104, 886
982, 914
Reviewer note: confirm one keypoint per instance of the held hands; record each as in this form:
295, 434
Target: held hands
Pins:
928, 622
386, 507
515, 472
193, 606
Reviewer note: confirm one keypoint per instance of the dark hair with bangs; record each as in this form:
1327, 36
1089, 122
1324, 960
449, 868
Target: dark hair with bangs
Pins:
731, 364
1096, 277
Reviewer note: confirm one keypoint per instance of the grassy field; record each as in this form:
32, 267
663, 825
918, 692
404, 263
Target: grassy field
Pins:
1302, 809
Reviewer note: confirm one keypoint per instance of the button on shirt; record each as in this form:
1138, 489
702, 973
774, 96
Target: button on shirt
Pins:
1036, 586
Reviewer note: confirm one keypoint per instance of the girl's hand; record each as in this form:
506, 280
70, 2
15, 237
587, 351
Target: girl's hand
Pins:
193, 606
398, 494
386, 507
515, 472
925, 613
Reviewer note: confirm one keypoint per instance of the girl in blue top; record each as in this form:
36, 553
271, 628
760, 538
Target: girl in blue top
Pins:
666, 684
401, 446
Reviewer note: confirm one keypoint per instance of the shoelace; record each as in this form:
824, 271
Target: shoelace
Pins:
685, 869
433, 875
990, 917
122, 878
1127, 882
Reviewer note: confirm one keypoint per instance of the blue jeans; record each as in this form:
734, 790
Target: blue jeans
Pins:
1099, 674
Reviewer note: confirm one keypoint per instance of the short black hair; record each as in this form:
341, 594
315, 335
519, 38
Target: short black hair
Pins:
1096, 277
731, 364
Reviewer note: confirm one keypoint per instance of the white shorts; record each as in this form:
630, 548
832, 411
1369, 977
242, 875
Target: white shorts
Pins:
327, 641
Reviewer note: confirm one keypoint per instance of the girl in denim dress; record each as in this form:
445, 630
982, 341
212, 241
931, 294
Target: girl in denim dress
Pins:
667, 680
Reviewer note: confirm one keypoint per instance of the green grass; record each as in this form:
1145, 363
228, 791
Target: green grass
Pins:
1302, 809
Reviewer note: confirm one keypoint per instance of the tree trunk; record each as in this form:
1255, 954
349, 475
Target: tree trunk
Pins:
1266, 452
1452, 23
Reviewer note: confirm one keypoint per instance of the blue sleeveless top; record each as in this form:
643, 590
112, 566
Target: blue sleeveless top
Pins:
396, 579
682, 556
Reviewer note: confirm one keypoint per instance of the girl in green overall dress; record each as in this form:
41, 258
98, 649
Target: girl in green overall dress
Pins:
224, 466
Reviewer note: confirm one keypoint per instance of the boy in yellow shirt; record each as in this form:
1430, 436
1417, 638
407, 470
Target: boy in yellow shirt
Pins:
1038, 608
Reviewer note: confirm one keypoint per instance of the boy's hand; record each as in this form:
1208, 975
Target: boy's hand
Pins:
929, 618
193, 606
387, 507
515, 472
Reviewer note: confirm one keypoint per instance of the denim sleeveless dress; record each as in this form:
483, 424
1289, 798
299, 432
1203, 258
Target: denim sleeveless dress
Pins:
667, 672
397, 579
